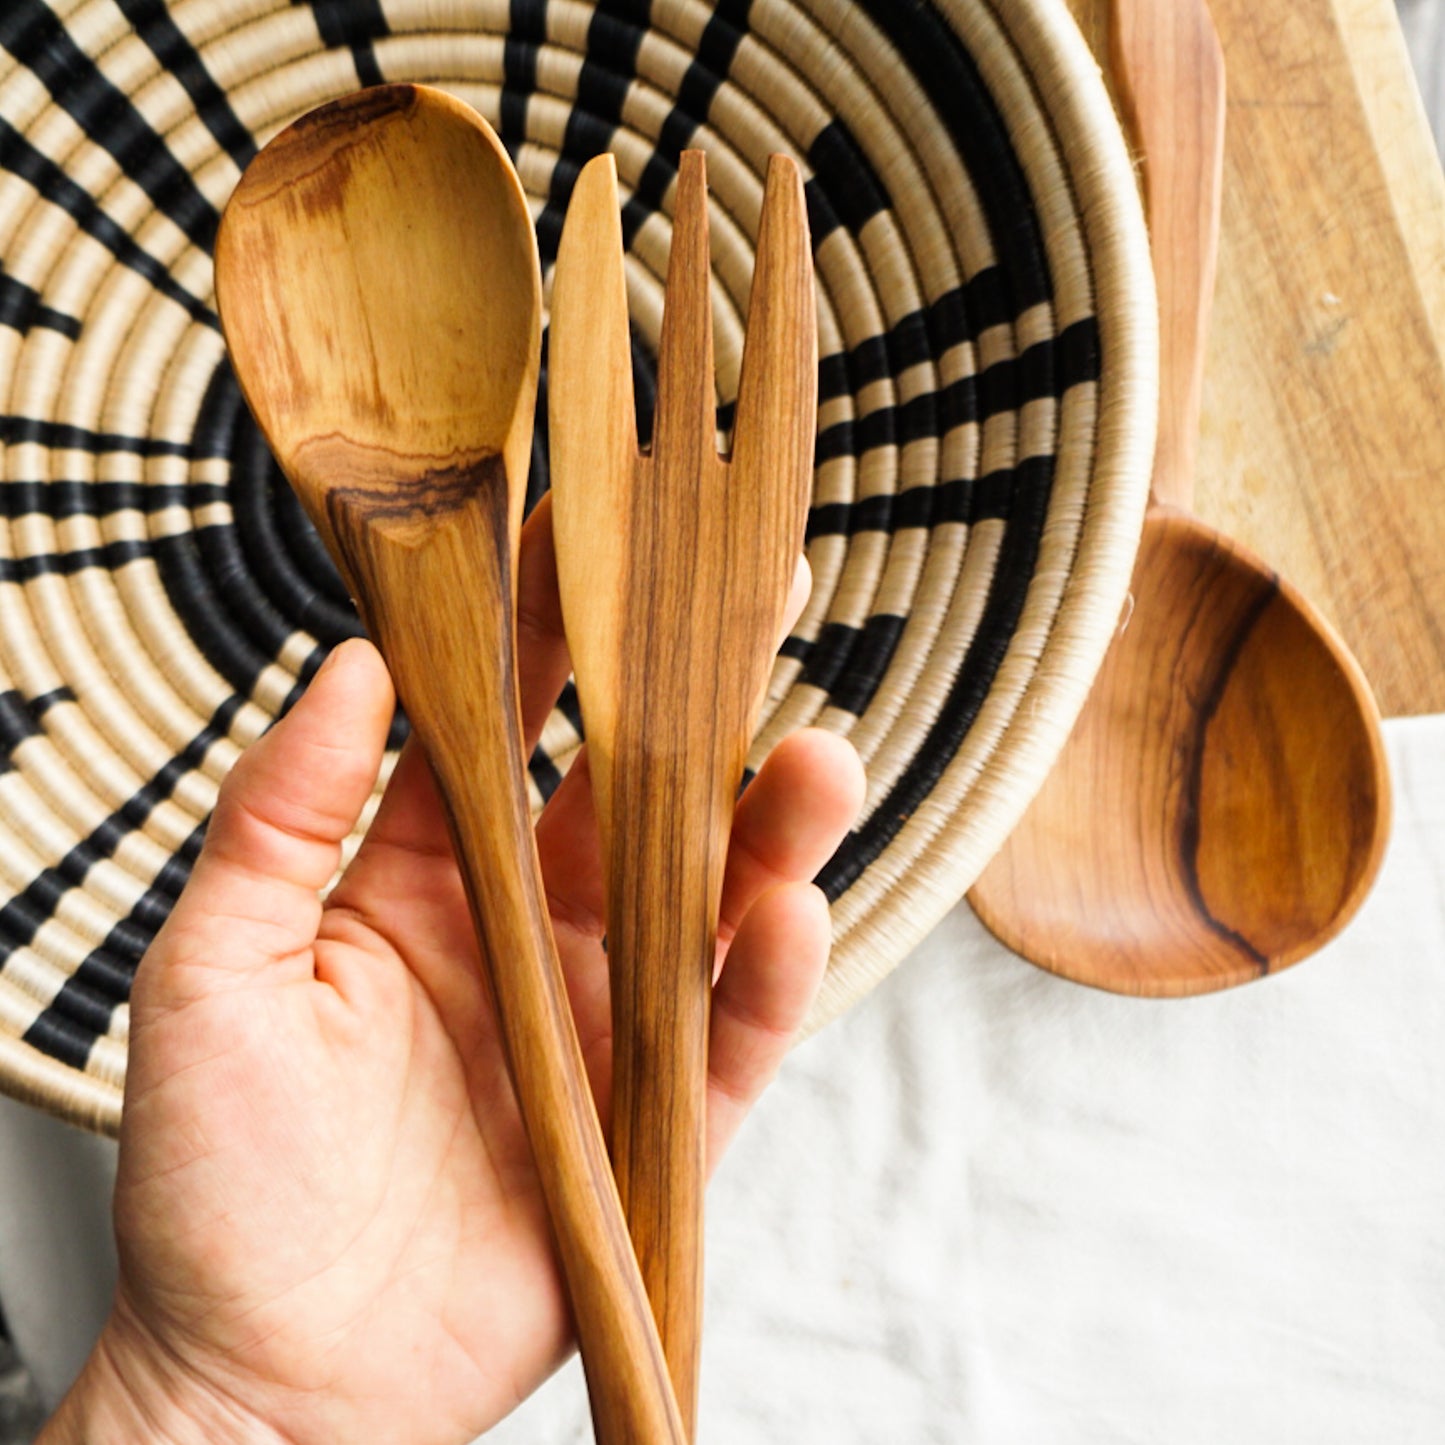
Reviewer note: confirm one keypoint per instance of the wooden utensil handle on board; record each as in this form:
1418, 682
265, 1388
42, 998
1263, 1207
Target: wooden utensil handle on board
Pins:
1177, 121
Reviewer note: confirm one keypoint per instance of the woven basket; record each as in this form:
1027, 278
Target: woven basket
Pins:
987, 405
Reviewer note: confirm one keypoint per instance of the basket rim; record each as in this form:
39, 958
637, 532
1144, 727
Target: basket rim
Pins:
1101, 169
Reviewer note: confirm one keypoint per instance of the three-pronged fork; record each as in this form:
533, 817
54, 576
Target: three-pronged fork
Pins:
675, 570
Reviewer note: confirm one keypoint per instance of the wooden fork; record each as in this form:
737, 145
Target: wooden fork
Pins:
675, 570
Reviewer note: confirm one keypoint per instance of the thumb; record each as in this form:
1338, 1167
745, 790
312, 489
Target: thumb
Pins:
274, 839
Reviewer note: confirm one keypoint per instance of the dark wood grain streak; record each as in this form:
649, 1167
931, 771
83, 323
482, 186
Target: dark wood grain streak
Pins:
1194, 820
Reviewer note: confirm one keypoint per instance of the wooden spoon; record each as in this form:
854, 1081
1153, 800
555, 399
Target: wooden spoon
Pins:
675, 570
1222, 805
377, 277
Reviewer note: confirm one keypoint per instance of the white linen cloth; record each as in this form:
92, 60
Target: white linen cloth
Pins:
989, 1207
993, 1207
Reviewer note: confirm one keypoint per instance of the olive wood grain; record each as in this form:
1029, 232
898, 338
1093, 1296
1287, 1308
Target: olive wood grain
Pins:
379, 289
1222, 805
675, 570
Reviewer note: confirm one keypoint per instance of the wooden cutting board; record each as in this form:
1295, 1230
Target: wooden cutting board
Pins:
1323, 438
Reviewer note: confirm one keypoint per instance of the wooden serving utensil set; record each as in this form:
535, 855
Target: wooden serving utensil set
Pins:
378, 282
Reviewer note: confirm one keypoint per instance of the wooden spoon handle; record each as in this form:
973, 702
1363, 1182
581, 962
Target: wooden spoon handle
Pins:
1169, 71
452, 664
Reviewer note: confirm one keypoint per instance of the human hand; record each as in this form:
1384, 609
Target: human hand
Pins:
330, 1226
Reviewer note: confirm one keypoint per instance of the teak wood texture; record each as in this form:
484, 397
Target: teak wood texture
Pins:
1221, 807
675, 569
378, 284
1322, 442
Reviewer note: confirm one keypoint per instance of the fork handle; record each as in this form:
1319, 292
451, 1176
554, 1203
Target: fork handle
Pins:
666, 881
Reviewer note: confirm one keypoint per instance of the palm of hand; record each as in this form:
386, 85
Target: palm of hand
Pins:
326, 1192
326, 1205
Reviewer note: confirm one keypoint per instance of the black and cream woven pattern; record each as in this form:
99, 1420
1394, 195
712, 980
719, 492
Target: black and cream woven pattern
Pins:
984, 432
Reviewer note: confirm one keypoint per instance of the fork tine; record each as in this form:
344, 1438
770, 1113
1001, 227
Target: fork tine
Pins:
778, 390
590, 351
686, 385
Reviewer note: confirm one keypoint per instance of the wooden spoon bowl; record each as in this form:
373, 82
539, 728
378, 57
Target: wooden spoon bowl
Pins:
1220, 809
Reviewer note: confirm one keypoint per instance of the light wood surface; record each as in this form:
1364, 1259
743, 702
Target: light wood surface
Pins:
675, 570
379, 289
1323, 437
1221, 806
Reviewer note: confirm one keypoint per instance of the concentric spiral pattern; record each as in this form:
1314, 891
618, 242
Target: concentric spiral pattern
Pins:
984, 430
